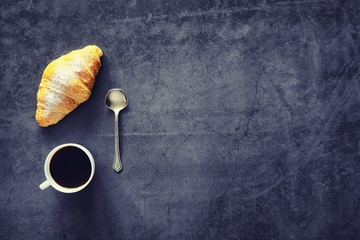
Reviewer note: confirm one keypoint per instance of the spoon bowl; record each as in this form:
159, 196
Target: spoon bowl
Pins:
116, 100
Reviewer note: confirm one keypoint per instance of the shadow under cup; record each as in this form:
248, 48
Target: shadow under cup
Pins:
68, 168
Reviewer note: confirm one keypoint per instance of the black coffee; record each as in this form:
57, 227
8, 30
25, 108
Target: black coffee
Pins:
70, 167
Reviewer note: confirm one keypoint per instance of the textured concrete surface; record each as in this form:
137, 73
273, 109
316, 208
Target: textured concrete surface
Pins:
243, 120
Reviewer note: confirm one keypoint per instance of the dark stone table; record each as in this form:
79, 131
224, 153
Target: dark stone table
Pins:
243, 119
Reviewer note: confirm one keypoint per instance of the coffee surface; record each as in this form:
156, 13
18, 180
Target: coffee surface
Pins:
70, 167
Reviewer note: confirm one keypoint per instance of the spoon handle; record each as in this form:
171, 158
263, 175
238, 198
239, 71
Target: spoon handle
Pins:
117, 166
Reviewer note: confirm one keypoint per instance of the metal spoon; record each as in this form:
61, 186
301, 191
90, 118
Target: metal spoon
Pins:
116, 100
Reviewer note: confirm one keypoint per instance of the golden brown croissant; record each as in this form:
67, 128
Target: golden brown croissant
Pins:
67, 82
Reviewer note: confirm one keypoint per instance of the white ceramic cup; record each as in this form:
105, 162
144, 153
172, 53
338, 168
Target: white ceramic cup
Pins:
50, 180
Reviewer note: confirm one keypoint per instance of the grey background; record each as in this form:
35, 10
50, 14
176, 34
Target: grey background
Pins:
243, 120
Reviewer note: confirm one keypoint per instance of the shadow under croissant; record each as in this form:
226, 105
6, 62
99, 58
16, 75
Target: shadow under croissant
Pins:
85, 117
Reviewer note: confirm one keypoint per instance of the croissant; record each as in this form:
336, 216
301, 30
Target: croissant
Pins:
67, 82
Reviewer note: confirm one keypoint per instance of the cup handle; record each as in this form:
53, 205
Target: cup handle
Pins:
44, 185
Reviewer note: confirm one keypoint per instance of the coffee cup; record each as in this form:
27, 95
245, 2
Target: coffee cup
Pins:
68, 168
